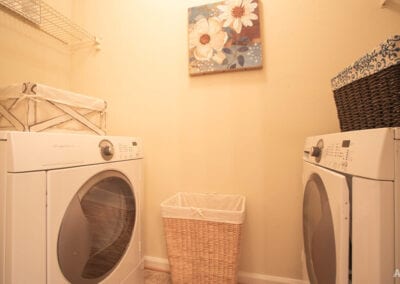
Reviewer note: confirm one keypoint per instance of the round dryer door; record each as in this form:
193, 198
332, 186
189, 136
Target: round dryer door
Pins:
97, 228
326, 225
319, 238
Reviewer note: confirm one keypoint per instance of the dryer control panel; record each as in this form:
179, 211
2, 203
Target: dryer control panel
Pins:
128, 150
119, 149
365, 153
32, 151
337, 156
124, 150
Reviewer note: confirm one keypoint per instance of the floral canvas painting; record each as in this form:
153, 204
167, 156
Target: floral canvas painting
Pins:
224, 36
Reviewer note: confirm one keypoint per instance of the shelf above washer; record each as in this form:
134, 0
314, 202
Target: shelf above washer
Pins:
47, 19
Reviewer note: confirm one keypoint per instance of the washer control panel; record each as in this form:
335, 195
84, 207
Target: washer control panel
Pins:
338, 155
363, 153
334, 155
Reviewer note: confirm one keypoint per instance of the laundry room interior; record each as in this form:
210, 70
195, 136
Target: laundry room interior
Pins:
234, 133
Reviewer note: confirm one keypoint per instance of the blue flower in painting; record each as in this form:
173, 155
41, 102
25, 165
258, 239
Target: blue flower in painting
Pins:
238, 13
206, 39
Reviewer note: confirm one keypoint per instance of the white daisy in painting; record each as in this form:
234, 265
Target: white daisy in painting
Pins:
207, 39
238, 13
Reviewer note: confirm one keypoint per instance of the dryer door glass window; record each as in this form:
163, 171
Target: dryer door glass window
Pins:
97, 228
319, 238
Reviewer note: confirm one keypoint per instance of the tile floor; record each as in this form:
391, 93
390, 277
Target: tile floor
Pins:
156, 277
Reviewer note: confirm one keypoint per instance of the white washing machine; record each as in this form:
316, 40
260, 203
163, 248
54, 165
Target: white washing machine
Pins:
70, 208
350, 207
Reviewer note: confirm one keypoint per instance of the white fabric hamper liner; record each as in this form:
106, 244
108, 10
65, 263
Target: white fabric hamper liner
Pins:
36, 107
208, 207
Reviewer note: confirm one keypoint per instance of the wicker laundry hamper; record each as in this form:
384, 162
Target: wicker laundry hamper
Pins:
367, 93
203, 234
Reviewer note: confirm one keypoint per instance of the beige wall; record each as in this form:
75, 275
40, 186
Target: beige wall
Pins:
27, 54
235, 132
231, 133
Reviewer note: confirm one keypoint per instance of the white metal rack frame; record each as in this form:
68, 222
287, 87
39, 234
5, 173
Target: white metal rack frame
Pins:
49, 20
36, 107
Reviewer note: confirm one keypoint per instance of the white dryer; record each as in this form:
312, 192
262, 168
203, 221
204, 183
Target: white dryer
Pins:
351, 207
70, 208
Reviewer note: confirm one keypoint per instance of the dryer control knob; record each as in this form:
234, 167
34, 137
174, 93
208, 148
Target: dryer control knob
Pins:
106, 150
315, 151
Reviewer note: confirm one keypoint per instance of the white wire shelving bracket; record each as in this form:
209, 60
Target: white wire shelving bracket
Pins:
47, 19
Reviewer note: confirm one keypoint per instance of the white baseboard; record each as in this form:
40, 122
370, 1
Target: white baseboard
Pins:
156, 263
162, 264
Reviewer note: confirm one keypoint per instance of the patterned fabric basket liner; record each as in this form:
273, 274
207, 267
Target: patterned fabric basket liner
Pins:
382, 57
367, 93
36, 107
203, 234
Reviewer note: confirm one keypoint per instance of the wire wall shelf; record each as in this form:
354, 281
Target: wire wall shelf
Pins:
47, 19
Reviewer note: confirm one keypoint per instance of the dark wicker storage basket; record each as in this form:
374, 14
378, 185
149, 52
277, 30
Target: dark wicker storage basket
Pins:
367, 94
